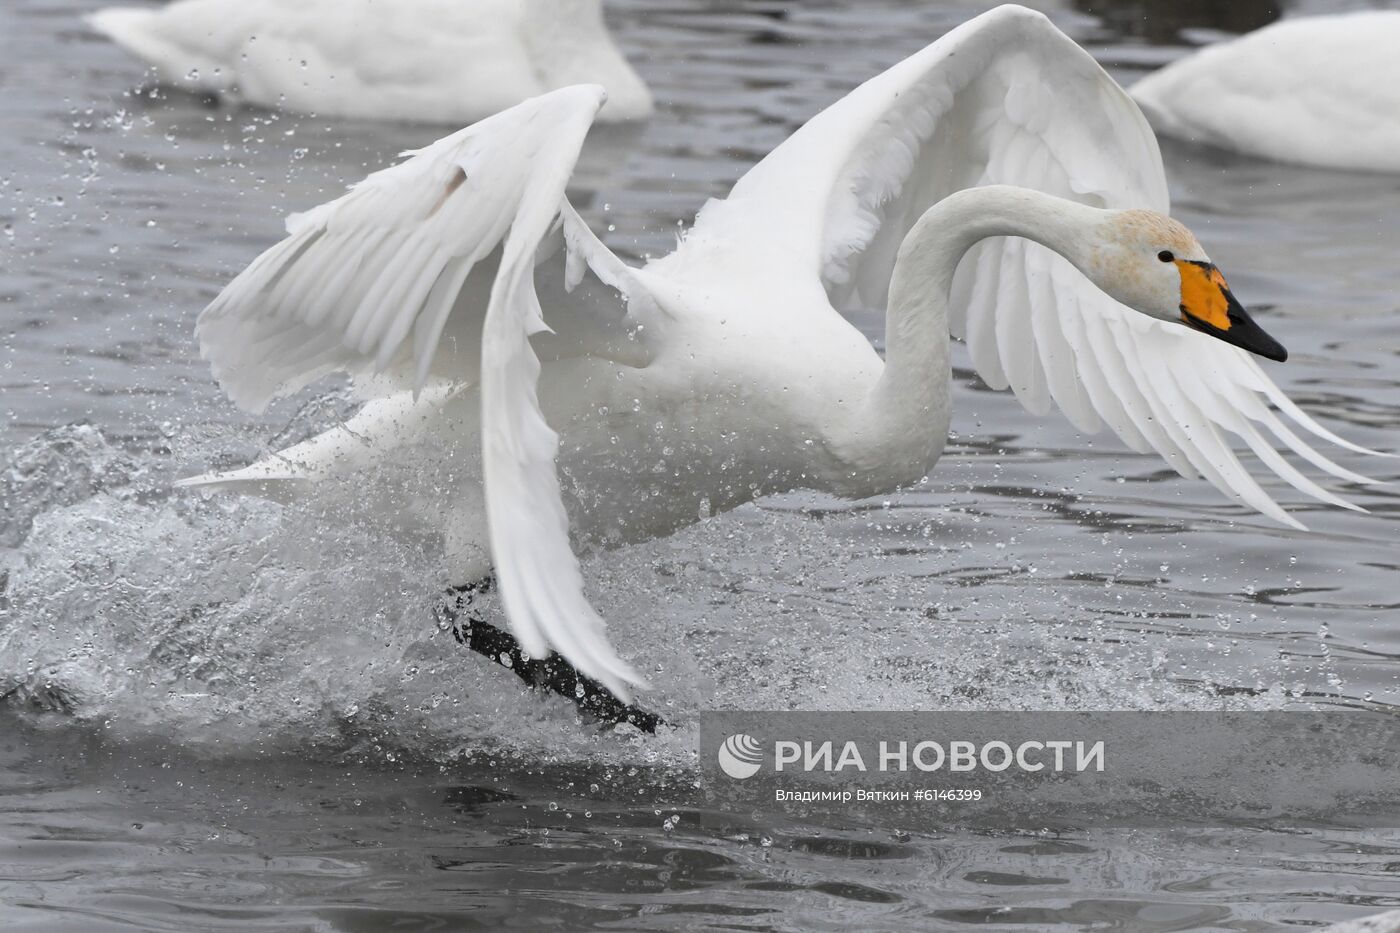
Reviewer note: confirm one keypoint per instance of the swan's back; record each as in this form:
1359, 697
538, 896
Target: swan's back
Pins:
439, 61
1316, 90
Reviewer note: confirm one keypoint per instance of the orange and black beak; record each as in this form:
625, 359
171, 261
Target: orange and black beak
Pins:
1208, 306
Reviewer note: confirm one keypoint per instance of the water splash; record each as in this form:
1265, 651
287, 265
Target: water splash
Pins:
233, 622
60, 467
241, 623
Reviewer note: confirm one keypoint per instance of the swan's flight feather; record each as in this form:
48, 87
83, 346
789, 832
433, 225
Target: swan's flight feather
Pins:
1008, 99
370, 282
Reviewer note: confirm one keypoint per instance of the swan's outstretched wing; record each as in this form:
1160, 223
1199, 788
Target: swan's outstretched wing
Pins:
368, 283
1007, 98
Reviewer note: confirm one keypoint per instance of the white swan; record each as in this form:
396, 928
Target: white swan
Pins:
725, 370
1316, 90
437, 61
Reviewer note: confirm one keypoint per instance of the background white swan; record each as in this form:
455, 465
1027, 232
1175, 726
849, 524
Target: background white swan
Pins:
1316, 90
725, 370
442, 61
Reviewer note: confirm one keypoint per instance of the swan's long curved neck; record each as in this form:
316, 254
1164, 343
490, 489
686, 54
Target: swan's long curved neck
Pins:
909, 405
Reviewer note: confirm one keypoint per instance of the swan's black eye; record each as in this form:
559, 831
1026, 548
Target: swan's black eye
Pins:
1166, 256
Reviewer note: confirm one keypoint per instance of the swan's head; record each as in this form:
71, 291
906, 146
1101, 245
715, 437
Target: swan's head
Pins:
1154, 265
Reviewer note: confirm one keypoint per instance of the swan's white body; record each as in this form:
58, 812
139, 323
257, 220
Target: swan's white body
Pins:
439, 61
724, 370
1316, 90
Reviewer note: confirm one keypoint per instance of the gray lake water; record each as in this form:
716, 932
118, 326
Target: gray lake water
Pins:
226, 715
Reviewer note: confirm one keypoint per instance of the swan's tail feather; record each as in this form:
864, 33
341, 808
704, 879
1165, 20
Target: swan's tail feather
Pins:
266, 479
382, 427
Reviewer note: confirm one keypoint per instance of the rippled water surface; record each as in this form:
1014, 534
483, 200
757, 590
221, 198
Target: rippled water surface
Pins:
227, 714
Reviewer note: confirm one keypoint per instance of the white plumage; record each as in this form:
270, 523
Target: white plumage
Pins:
1315, 90
437, 61
725, 371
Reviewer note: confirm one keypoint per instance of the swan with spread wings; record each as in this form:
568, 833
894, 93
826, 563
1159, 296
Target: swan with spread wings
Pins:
997, 186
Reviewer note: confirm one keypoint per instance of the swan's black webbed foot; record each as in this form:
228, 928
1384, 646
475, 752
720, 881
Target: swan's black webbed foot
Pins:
553, 673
